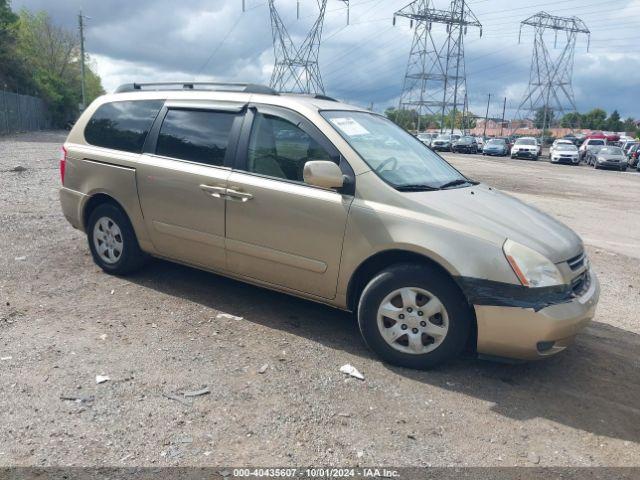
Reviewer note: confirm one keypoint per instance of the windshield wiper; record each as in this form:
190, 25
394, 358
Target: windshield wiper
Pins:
454, 183
416, 188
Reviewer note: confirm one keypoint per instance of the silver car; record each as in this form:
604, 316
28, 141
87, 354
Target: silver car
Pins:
610, 157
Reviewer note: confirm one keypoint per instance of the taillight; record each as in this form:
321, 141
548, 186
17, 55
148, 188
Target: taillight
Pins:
63, 163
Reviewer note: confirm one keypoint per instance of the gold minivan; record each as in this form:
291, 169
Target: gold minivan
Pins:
329, 202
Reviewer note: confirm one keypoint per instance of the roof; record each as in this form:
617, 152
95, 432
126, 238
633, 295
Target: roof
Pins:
233, 92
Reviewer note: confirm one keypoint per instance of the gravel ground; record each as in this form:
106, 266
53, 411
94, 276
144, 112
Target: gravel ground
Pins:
171, 329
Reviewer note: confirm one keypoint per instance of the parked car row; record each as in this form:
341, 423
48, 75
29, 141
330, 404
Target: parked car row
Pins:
595, 150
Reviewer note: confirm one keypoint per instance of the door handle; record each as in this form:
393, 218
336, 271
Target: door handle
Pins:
235, 194
217, 192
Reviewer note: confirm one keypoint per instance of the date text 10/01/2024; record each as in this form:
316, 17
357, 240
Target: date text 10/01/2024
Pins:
316, 472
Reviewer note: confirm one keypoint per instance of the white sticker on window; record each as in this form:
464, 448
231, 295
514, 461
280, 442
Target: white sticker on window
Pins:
349, 126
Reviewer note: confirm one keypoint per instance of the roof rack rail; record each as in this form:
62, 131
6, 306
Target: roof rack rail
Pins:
318, 96
213, 86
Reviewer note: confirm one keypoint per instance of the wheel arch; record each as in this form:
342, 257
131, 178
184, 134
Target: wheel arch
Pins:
95, 201
386, 258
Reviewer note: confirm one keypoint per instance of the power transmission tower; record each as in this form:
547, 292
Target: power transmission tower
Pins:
550, 87
296, 68
435, 79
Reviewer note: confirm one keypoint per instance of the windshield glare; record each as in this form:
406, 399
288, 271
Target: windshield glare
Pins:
466, 140
611, 151
443, 137
566, 146
496, 141
525, 141
393, 154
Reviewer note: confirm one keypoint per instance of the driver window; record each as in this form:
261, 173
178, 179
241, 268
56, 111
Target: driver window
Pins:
280, 149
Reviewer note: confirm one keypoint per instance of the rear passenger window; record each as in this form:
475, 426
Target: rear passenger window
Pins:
122, 125
195, 135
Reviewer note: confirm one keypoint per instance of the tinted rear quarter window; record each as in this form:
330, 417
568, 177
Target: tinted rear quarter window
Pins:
195, 135
122, 125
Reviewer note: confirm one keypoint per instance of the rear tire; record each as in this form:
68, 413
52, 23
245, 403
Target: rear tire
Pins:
412, 316
113, 242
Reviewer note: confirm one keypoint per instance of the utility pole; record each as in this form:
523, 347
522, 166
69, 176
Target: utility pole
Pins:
435, 79
82, 73
455, 90
486, 116
504, 109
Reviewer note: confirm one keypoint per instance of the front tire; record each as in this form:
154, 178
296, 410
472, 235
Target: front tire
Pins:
113, 242
414, 316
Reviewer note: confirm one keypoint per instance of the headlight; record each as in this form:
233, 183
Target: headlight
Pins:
532, 268
601, 159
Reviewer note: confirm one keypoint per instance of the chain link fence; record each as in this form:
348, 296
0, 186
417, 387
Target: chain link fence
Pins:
22, 113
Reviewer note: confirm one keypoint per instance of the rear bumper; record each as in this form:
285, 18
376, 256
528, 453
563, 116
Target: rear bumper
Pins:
72, 202
526, 334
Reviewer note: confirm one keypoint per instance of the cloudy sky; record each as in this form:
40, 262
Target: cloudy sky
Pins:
145, 40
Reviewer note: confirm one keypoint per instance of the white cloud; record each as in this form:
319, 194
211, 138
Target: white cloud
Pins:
146, 40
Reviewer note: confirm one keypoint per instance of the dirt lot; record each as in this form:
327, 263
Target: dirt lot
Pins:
161, 332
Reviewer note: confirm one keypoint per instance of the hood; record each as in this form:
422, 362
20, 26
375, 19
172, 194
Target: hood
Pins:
501, 215
609, 156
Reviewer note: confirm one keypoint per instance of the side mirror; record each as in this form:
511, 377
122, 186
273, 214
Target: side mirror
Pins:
322, 173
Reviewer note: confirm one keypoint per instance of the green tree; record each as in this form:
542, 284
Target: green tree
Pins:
13, 74
595, 119
407, 119
540, 121
52, 56
571, 120
629, 125
613, 122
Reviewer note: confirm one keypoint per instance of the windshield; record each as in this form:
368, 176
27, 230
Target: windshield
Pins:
496, 141
392, 153
596, 142
566, 147
443, 137
611, 151
466, 140
525, 141
424, 136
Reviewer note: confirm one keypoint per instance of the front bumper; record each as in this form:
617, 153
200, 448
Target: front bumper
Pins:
524, 154
494, 152
568, 160
527, 334
441, 146
610, 164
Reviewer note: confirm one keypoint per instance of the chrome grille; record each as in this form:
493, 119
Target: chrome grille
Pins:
581, 284
577, 262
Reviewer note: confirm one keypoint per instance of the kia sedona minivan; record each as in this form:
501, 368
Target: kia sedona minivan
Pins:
329, 202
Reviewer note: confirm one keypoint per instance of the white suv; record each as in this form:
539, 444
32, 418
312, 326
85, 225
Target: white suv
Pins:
526, 147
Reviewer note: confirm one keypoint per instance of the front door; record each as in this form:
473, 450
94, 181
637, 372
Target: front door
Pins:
279, 229
182, 181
